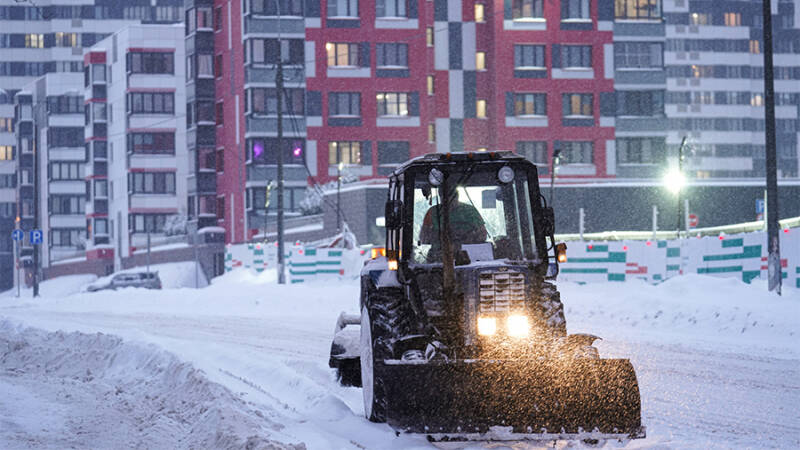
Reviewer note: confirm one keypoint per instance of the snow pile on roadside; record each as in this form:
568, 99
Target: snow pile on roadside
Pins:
686, 308
157, 400
57, 287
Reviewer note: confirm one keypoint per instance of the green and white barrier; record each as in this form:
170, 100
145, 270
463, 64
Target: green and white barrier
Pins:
743, 256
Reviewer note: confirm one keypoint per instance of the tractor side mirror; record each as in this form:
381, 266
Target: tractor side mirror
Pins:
549, 221
392, 214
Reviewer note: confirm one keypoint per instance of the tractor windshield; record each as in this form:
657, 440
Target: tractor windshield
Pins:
489, 220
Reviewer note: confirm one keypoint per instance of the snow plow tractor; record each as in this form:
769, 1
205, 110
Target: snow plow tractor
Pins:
462, 333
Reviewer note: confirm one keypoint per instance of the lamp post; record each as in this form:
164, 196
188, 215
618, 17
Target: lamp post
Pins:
553, 164
339, 168
674, 180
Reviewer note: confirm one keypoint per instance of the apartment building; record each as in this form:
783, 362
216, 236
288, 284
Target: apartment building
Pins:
715, 90
51, 119
136, 158
49, 38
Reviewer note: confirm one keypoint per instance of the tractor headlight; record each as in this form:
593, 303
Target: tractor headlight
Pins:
517, 326
487, 326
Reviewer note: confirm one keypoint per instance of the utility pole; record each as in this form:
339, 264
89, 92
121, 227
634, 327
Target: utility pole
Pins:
35, 200
279, 89
680, 188
773, 239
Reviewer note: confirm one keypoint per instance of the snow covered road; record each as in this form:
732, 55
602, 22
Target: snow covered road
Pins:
717, 361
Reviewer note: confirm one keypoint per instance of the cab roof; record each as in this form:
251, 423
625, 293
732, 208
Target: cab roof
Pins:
431, 159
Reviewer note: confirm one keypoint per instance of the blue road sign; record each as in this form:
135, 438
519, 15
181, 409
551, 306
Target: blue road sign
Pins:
17, 235
36, 237
759, 206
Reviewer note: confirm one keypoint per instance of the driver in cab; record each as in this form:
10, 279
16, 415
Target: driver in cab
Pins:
466, 226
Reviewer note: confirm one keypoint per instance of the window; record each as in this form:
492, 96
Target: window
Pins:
265, 151
529, 57
151, 182
530, 104
6, 153
218, 19
265, 101
151, 62
480, 60
275, 7
637, 9
204, 112
100, 227
220, 113
7, 181
392, 103
757, 100
204, 18
98, 72
480, 109
346, 152
431, 132
342, 8
429, 36
527, 9
33, 40
391, 55
344, 104
577, 152
101, 188
205, 65
533, 151
66, 171
733, 19
638, 55
151, 102
69, 237
67, 204
156, 143
640, 103
641, 150
266, 51
391, 154
699, 19
391, 8
577, 105
154, 223
218, 65
755, 48
575, 9
341, 54
576, 56
7, 124
430, 84
479, 12
65, 136
64, 104
67, 39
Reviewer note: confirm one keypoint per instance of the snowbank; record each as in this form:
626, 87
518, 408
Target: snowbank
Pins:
89, 381
688, 309
56, 287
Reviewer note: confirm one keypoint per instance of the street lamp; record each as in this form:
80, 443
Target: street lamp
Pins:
553, 164
675, 181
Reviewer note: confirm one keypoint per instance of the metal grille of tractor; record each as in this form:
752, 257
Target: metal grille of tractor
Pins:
502, 291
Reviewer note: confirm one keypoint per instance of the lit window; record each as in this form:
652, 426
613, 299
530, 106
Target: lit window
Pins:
733, 19
480, 109
698, 19
342, 54
346, 152
430, 85
392, 104
429, 36
479, 10
757, 100
431, 133
577, 105
480, 61
755, 48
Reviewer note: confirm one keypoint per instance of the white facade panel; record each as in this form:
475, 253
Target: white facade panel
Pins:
456, 94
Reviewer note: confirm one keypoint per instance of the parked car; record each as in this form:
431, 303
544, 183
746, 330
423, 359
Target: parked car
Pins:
147, 280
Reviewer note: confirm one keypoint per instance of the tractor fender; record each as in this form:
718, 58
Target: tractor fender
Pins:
580, 340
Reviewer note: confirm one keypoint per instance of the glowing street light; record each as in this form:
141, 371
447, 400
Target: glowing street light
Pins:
674, 181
